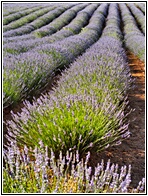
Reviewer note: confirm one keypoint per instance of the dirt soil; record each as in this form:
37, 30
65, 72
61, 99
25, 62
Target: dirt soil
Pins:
132, 150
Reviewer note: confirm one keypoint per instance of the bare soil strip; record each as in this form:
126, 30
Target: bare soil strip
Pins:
131, 151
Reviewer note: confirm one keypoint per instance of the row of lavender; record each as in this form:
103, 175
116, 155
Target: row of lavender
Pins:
85, 111
20, 14
60, 22
139, 16
141, 6
10, 9
133, 37
30, 71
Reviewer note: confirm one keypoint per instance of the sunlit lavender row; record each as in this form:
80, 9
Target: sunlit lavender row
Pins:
32, 70
134, 38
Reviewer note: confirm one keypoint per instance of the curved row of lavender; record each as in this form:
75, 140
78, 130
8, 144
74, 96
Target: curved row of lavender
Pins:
76, 24
13, 17
11, 10
139, 16
86, 110
15, 26
18, 34
134, 38
30, 71
59, 22
141, 6
27, 42
11, 29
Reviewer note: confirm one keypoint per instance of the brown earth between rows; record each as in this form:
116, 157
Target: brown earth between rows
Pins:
132, 150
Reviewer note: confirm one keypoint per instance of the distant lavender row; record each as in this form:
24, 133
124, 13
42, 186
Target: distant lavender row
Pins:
59, 22
38, 22
82, 18
134, 38
113, 22
13, 17
29, 18
12, 8
86, 109
73, 46
30, 71
24, 43
139, 16
141, 6
73, 27
46, 18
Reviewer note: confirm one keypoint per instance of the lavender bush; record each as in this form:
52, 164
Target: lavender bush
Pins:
112, 28
25, 75
40, 173
18, 38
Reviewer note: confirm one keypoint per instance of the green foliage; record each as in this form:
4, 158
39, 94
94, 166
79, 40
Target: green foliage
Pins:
24, 82
79, 124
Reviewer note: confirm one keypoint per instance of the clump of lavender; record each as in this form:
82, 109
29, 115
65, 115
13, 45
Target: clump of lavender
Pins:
33, 171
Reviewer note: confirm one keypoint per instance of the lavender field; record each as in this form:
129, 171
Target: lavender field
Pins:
83, 46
